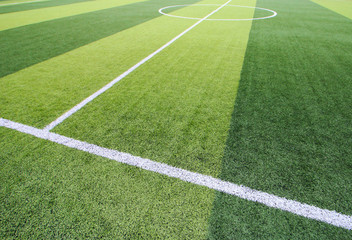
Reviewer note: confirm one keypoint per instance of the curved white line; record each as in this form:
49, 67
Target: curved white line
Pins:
274, 14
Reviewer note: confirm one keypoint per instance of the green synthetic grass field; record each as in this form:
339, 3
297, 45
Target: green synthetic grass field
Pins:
265, 104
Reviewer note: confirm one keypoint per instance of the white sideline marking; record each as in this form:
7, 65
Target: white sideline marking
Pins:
301, 209
7, 4
109, 85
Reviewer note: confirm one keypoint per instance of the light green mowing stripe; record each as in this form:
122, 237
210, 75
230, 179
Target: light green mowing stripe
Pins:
17, 19
49, 191
39, 94
343, 7
27, 45
175, 108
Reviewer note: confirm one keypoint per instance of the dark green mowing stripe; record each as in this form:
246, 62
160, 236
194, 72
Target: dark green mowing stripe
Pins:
234, 218
37, 5
291, 129
24, 46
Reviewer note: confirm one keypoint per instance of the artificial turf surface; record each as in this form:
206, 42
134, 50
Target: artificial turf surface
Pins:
36, 5
48, 191
235, 218
27, 45
39, 94
343, 7
291, 128
157, 112
290, 132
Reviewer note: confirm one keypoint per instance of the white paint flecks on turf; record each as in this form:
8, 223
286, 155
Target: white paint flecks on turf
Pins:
301, 209
209, 19
113, 82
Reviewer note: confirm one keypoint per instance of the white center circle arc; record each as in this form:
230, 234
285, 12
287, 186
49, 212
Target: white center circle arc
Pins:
240, 19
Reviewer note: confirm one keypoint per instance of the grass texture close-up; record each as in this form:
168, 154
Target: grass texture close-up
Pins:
227, 119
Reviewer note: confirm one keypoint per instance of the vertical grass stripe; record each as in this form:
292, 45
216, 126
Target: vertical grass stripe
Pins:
291, 129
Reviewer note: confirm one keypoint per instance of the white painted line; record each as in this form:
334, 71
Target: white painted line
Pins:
209, 19
109, 85
301, 209
16, 3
